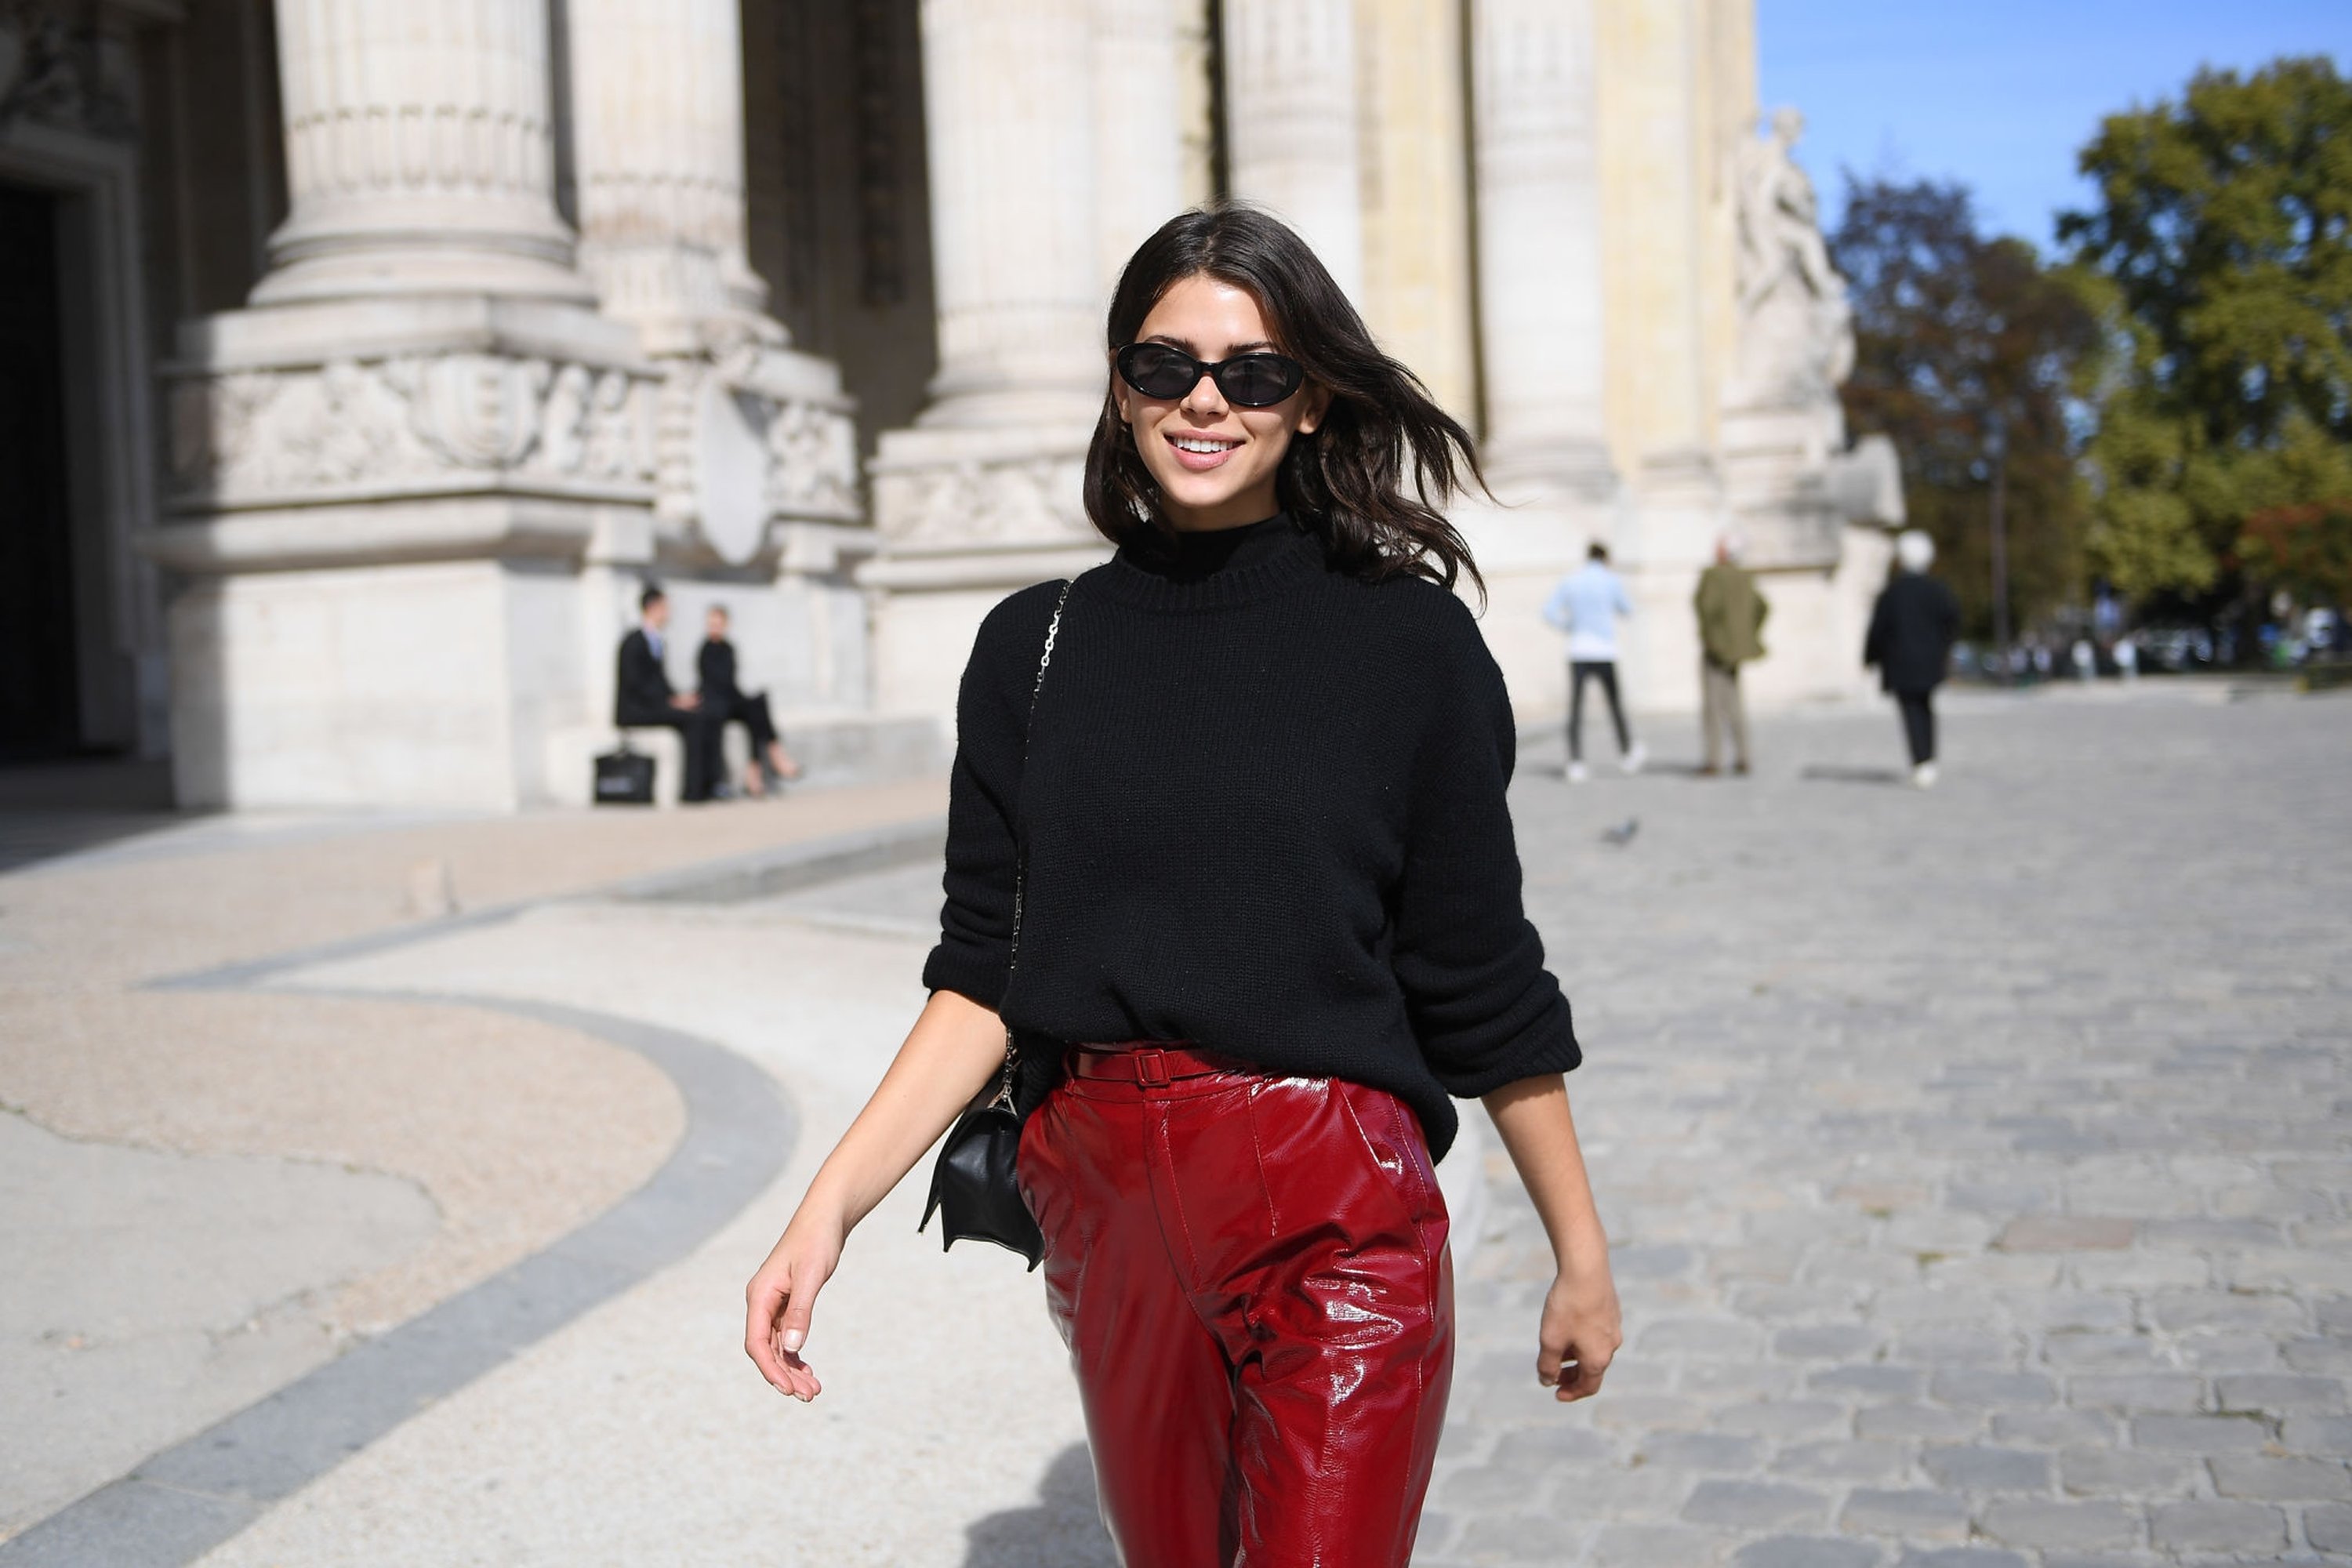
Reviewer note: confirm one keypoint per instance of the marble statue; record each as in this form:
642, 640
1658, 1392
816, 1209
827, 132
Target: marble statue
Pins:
1796, 336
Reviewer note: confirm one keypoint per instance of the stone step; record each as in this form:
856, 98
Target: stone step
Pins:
833, 747
836, 747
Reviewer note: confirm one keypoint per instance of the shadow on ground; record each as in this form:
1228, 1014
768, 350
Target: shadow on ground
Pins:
61, 806
1822, 773
1062, 1530
29, 837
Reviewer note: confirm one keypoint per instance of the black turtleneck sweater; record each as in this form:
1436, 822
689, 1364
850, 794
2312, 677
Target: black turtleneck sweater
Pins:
1262, 807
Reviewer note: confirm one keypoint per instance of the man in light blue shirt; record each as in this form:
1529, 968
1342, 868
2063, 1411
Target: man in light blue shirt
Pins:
1586, 605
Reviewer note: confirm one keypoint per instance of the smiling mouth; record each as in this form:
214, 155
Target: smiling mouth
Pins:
1200, 452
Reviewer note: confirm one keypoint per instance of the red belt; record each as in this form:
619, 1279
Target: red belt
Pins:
1149, 1065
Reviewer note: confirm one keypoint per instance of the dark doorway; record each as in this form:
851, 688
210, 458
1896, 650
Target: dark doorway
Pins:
40, 709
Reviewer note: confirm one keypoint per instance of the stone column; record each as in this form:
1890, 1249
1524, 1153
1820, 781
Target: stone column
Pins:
1290, 119
417, 154
1660, 172
1139, 128
1415, 142
1008, 90
1656, 188
657, 132
1539, 284
982, 493
1536, 170
750, 432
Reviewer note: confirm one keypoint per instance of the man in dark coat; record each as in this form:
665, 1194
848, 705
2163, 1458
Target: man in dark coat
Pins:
715, 665
643, 697
1912, 630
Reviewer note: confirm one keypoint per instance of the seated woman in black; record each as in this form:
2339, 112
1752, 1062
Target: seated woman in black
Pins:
730, 704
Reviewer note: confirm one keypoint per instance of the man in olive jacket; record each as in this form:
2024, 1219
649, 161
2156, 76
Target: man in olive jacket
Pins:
1730, 623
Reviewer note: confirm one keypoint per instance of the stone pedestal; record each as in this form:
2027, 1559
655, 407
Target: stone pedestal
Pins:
379, 509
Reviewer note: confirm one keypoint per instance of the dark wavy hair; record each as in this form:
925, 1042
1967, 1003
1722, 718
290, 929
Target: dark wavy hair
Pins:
1347, 480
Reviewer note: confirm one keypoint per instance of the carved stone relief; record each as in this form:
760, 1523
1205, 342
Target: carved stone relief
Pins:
734, 453
403, 422
813, 462
450, 421
60, 67
961, 505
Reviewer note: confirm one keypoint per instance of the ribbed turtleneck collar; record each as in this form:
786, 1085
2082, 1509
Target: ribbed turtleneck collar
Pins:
1214, 567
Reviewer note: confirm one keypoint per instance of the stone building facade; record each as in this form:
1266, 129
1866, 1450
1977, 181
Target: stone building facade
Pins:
365, 359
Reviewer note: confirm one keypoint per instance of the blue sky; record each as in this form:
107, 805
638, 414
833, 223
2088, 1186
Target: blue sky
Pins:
2002, 93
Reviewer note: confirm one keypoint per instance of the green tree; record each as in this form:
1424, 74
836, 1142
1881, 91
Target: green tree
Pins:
2219, 256
1955, 332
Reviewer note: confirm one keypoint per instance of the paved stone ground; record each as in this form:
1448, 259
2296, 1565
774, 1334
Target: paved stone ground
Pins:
305, 1171
1977, 1162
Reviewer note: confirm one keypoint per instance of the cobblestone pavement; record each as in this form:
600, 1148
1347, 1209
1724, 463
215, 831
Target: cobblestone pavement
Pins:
1977, 1162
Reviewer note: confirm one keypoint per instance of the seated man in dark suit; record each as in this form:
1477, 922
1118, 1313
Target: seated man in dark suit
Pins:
722, 697
643, 697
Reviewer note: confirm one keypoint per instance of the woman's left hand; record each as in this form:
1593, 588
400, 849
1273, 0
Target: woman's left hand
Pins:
1580, 1334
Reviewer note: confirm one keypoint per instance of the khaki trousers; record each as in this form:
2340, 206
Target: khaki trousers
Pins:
1721, 708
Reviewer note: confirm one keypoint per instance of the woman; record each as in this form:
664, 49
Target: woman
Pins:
1271, 899
1912, 628
714, 664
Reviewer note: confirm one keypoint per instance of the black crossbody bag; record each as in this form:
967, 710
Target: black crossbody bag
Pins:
975, 1184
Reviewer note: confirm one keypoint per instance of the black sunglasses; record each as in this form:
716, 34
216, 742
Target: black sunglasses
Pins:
1249, 381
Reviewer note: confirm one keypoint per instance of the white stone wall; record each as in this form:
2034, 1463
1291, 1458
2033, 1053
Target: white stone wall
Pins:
421, 686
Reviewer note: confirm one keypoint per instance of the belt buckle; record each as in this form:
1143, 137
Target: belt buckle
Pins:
1151, 1068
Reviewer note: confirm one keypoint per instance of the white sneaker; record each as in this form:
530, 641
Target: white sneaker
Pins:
1578, 773
1924, 776
1635, 760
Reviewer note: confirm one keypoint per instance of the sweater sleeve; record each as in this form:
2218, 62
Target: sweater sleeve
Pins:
983, 787
1484, 1008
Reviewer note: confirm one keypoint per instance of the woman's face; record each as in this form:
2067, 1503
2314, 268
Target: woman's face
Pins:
1214, 463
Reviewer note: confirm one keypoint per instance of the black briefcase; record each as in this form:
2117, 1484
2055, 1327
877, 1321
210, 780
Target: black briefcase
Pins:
624, 778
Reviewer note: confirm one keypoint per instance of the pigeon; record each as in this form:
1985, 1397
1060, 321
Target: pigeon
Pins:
1622, 834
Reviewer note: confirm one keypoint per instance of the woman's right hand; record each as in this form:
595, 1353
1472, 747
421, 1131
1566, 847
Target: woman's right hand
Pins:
954, 1047
782, 1297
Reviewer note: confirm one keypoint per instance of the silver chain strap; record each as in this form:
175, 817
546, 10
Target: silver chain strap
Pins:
1020, 860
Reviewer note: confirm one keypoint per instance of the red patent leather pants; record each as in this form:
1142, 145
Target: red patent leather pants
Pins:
1252, 1276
